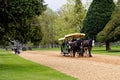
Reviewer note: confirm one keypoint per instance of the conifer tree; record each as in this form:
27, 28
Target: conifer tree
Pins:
97, 17
111, 31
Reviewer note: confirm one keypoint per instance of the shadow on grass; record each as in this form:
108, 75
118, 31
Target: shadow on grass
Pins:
114, 51
106, 51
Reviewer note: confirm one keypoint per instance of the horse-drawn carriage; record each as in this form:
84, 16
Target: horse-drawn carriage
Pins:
73, 43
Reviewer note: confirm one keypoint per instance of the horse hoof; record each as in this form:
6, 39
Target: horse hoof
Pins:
90, 55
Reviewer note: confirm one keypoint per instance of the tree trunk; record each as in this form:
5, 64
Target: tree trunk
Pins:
107, 46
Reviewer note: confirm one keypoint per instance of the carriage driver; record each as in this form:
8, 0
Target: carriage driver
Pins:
74, 39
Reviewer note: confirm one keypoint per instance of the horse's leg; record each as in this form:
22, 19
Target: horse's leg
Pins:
73, 49
85, 51
81, 51
73, 53
89, 49
15, 50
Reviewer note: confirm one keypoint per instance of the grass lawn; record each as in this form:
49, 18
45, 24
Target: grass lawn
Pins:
13, 67
96, 50
101, 50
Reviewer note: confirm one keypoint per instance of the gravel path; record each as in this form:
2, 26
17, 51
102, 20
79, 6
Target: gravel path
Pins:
99, 67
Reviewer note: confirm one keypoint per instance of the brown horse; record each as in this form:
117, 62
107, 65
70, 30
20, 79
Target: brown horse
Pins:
73, 48
82, 46
87, 46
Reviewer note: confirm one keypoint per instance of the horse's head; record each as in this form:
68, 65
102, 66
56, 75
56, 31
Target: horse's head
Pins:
86, 43
93, 42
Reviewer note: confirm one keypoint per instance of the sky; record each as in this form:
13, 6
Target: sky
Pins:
56, 4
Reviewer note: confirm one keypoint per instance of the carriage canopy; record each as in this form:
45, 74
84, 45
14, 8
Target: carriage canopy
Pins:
75, 35
60, 39
71, 36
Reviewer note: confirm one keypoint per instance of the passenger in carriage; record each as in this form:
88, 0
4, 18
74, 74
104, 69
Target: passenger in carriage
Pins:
74, 39
64, 44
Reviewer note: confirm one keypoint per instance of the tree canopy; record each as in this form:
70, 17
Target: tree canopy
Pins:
70, 18
79, 13
47, 20
111, 32
15, 16
64, 23
97, 17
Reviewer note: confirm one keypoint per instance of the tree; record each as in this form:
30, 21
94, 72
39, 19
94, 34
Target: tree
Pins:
3, 19
15, 16
111, 31
47, 20
64, 24
36, 35
79, 13
97, 17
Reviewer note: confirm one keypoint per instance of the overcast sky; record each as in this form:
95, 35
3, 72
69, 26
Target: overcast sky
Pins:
56, 4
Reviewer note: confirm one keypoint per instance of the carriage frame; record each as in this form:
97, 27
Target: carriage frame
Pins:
66, 46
